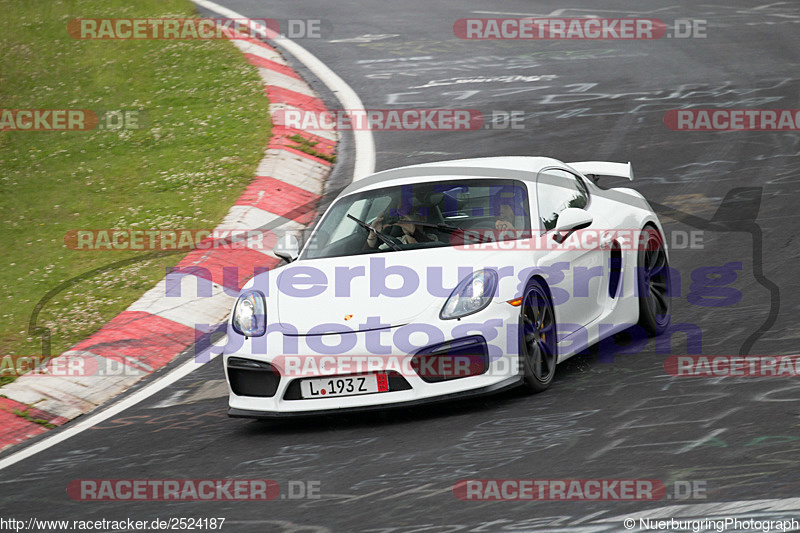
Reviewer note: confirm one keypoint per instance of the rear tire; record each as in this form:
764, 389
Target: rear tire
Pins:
537, 340
653, 282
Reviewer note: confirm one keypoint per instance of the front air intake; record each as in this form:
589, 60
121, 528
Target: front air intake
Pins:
456, 359
252, 378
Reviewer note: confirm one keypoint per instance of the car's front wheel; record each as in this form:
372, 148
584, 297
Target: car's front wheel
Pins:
538, 353
653, 281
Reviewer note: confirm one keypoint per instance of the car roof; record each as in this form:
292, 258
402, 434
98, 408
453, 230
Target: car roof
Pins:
508, 167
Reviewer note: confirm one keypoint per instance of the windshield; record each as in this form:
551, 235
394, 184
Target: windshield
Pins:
422, 215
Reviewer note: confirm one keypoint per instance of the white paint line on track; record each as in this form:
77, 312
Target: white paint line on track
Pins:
79, 426
364, 143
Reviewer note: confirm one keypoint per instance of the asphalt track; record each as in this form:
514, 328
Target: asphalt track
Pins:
607, 415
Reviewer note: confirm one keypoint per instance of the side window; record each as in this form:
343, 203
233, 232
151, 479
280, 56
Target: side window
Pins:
557, 190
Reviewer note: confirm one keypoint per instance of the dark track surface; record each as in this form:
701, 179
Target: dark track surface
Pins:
609, 417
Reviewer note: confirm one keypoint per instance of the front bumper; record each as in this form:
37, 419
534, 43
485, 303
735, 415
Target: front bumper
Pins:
501, 386
281, 397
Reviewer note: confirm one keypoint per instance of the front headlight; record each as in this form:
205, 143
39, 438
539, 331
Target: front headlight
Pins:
471, 295
249, 315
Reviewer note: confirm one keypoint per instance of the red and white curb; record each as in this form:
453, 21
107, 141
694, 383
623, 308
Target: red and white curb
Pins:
159, 326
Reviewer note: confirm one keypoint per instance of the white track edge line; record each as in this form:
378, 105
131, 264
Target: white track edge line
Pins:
364, 143
91, 420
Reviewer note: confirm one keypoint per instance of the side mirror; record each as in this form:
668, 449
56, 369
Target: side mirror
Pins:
573, 218
287, 248
569, 220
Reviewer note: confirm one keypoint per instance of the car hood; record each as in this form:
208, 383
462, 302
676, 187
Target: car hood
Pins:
372, 291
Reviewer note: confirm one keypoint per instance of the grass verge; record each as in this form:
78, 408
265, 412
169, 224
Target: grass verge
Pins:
203, 127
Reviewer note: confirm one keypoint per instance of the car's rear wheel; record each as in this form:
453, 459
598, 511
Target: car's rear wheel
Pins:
538, 353
653, 283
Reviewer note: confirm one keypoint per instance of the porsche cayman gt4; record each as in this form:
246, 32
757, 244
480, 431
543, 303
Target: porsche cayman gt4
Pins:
445, 280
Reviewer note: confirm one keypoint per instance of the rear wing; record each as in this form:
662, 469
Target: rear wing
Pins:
594, 169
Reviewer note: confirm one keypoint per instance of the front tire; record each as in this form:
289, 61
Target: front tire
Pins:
537, 340
653, 282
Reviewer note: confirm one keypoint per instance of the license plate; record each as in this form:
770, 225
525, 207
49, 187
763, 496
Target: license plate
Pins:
344, 386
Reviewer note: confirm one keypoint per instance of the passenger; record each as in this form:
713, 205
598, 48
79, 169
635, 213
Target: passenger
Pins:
506, 219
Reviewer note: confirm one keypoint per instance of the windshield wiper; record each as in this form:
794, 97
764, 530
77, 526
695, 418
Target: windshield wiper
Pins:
452, 229
381, 236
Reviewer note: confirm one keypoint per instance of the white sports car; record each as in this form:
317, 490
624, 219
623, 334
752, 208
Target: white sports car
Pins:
444, 280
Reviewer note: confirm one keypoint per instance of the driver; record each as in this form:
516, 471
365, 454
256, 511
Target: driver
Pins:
411, 233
